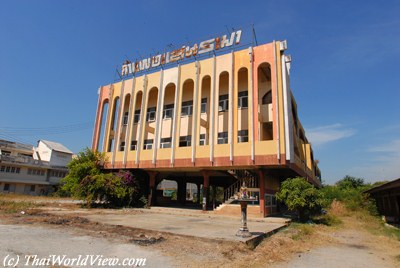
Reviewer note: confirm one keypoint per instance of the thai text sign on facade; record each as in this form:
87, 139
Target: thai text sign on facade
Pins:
181, 53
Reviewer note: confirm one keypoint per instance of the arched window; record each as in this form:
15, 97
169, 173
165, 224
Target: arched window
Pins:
205, 110
243, 104
125, 119
115, 114
113, 125
103, 118
150, 118
223, 107
185, 132
264, 99
136, 119
167, 116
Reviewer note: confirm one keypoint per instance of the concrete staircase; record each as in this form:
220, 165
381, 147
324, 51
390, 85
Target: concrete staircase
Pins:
242, 176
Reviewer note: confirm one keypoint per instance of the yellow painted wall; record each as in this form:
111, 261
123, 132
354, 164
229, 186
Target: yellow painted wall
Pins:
265, 147
183, 152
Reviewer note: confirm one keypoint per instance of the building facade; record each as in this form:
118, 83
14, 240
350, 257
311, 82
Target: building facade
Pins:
387, 197
32, 170
218, 121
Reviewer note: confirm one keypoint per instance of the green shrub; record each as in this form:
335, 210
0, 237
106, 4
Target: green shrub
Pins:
108, 188
87, 181
300, 196
349, 191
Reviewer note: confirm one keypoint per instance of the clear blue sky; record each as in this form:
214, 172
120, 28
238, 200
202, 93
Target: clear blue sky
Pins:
345, 67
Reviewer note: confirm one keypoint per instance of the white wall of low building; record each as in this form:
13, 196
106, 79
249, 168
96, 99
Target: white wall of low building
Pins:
54, 157
60, 158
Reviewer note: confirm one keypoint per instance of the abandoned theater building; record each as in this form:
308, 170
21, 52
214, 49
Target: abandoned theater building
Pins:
208, 119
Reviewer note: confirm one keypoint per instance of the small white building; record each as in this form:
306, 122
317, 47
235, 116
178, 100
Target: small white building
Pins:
54, 153
25, 169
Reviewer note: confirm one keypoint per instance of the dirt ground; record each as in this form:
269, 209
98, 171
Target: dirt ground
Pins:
347, 245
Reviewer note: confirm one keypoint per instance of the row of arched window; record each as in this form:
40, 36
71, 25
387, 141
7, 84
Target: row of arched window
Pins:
185, 119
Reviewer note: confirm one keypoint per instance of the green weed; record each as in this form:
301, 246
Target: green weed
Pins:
327, 219
302, 231
15, 206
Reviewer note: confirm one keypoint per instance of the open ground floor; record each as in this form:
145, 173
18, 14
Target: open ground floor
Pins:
215, 189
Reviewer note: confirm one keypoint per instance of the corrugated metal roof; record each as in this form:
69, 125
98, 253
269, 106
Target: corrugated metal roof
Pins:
389, 185
57, 146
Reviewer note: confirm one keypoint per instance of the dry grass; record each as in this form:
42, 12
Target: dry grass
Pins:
361, 218
32, 198
16, 207
338, 209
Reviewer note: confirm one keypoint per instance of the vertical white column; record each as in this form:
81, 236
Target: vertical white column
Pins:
160, 109
176, 114
130, 121
230, 116
251, 105
287, 106
142, 120
212, 117
195, 111
118, 120
277, 123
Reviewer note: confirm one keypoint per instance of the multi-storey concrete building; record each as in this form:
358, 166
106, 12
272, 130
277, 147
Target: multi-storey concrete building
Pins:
215, 121
25, 169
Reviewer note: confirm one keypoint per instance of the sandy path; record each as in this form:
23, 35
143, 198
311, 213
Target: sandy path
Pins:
350, 248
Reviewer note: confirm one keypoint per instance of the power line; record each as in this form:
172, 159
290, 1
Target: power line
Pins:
34, 131
15, 139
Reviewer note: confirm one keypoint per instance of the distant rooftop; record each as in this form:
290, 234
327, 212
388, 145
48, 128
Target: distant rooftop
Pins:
57, 146
16, 145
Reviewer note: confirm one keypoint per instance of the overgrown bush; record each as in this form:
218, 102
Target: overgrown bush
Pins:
350, 191
110, 189
300, 196
88, 182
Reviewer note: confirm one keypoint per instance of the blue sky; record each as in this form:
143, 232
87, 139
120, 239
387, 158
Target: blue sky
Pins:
345, 74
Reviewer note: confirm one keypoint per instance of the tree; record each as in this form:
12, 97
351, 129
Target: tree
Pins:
88, 182
350, 182
350, 191
87, 163
300, 196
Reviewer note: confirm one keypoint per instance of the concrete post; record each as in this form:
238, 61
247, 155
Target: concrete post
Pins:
206, 181
214, 188
261, 178
198, 193
152, 198
181, 195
